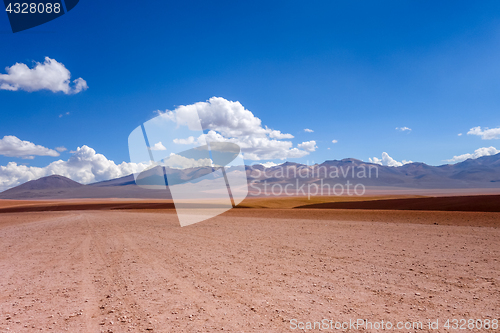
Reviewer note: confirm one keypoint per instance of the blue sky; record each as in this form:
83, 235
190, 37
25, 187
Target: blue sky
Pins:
352, 71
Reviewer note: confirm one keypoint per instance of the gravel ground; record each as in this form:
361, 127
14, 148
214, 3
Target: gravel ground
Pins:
244, 271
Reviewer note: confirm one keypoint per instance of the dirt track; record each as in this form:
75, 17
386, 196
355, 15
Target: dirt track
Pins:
113, 271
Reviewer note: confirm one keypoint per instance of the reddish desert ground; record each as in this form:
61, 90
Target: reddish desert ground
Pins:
248, 270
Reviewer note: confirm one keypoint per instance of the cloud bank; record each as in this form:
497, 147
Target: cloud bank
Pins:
476, 154
50, 75
181, 162
388, 161
85, 166
230, 122
14, 147
486, 134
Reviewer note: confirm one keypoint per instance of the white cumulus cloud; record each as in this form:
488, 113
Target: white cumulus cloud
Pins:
229, 121
308, 130
14, 147
335, 141
485, 151
84, 166
158, 146
49, 75
486, 134
309, 146
388, 161
278, 135
403, 129
188, 141
269, 164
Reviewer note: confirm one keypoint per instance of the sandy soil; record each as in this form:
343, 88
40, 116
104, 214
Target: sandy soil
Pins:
126, 271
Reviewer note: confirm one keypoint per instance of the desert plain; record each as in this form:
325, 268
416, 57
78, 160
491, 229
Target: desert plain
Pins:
269, 266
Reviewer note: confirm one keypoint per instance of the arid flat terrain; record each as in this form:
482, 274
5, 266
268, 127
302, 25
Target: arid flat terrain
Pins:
248, 270
447, 202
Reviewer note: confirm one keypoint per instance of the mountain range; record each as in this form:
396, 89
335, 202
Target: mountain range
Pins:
480, 173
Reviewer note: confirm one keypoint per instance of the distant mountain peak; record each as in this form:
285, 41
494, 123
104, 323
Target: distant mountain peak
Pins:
352, 160
49, 182
289, 164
